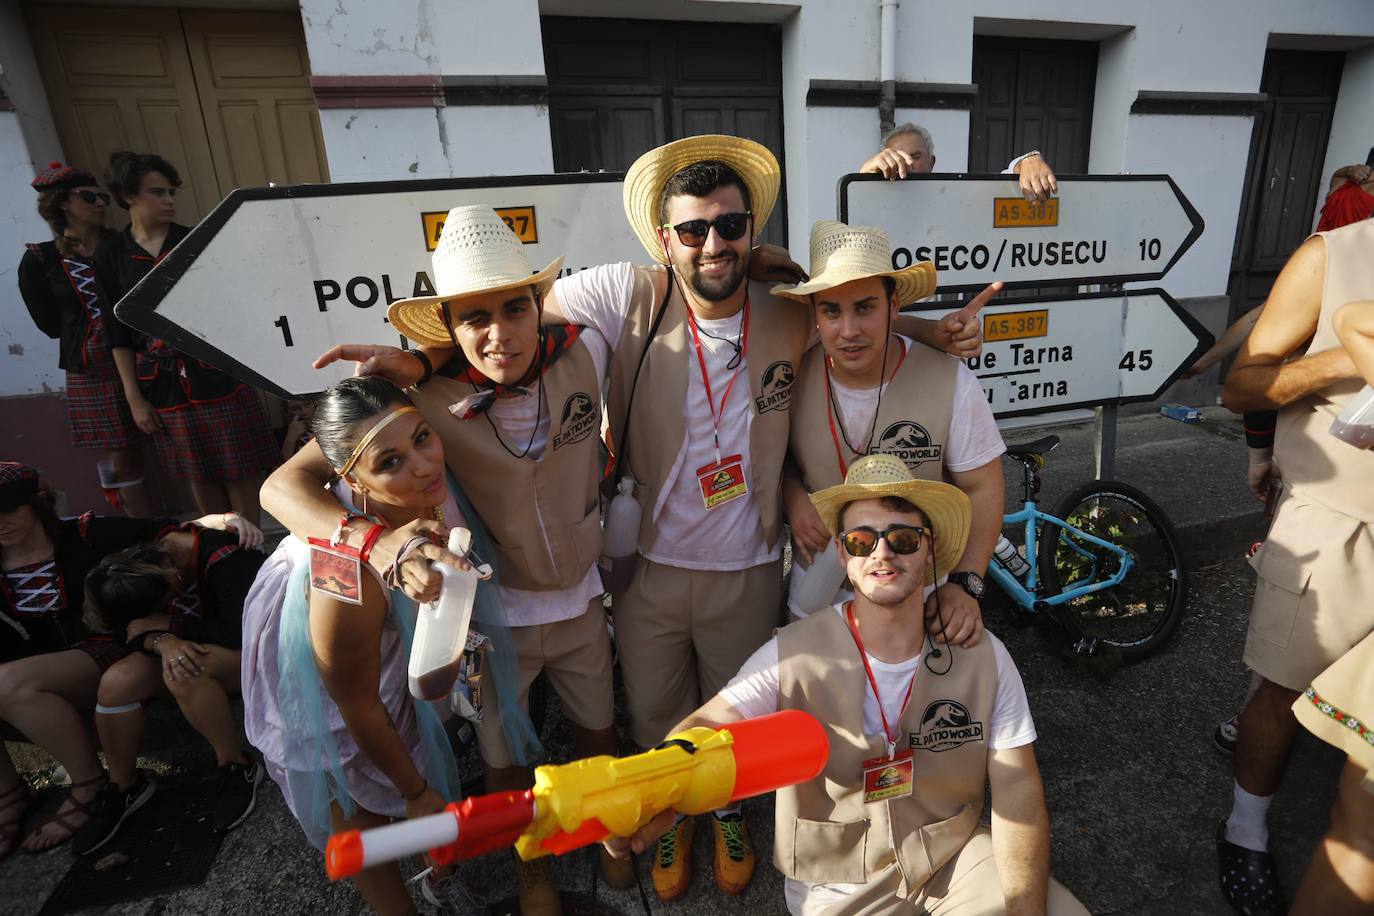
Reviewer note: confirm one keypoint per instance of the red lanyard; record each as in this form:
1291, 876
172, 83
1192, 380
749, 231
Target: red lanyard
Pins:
705, 376
830, 408
888, 732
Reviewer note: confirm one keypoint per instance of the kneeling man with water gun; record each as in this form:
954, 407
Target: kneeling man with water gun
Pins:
916, 729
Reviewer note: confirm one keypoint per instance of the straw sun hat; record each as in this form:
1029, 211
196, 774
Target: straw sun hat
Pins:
841, 253
874, 476
477, 253
650, 172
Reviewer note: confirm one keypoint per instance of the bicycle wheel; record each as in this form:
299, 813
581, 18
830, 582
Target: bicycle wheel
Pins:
1141, 614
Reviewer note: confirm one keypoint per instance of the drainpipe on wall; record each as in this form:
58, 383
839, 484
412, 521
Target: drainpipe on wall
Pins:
887, 65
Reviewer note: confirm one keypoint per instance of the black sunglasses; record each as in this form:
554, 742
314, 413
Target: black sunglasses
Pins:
91, 197
729, 226
862, 541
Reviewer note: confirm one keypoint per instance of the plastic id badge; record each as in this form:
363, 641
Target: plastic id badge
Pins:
888, 777
722, 481
336, 570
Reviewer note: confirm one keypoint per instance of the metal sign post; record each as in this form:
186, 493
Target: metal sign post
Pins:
275, 276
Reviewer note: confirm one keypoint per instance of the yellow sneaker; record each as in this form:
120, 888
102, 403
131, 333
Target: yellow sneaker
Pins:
538, 896
618, 873
735, 858
673, 860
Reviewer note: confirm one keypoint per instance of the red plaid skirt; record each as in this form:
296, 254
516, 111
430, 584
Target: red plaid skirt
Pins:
103, 650
98, 412
228, 439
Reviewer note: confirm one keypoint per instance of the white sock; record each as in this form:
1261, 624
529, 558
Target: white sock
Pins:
1247, 825
728, 810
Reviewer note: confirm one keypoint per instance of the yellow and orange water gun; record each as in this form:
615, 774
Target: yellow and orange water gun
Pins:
584, 802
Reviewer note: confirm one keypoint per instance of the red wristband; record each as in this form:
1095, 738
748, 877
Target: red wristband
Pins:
369, 540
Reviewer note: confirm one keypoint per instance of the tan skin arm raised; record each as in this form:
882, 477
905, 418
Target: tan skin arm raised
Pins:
1264, 377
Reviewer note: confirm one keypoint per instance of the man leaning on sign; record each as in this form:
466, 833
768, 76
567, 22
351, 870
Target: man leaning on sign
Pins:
917, 728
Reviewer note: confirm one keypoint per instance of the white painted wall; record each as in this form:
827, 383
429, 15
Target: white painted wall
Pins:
28, 141
1352, 126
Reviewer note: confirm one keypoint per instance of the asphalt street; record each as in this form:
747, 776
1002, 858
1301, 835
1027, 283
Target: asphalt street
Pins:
1134, 786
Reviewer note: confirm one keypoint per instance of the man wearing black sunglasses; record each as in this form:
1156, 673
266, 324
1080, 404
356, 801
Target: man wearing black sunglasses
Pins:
917, 728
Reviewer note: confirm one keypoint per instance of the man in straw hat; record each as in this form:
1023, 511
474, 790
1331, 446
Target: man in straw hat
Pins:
701, 379
868, 390
917, 728
518, 409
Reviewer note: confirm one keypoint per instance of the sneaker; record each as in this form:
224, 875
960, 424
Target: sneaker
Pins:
673, 860
538, 896
735, 858
111, 808
452, 893
617, 873
237, 792
1226, 734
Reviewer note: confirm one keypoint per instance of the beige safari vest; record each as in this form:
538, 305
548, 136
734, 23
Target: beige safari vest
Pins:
913, 419
1316, 465
825, 833
544, 516
778, 333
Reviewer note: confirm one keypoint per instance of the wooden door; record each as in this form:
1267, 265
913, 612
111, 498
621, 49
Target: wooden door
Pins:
121, 79
1284, 174
253, 79
620, 87
225, 97
1032, 95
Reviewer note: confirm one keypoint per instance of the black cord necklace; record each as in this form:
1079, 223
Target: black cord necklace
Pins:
877, 408
734, 344
539, 409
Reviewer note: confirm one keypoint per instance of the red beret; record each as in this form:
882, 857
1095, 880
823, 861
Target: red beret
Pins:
57, 175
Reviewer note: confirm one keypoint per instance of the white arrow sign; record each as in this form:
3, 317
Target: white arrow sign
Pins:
275, 276
978, 228
1104, 348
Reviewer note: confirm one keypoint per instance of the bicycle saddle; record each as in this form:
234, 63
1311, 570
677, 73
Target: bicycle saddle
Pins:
1041, 446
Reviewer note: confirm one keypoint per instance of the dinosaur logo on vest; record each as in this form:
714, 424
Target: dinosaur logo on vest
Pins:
946, 725
910, 442
579, 420
776, 387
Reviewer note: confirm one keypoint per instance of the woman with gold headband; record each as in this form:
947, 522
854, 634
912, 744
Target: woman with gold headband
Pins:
326, 641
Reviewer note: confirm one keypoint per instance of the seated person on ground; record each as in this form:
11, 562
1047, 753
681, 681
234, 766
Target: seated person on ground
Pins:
917, 728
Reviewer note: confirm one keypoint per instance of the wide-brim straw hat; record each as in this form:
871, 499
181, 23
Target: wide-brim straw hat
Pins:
841, 253
874, 476
477, 253
644, 182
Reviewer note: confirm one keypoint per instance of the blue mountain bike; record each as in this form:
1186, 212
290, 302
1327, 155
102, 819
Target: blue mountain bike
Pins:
1106, 566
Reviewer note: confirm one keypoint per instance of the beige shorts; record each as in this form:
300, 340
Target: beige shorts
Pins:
576, 653
1339, 706
966, 884
684, 633
1312, 600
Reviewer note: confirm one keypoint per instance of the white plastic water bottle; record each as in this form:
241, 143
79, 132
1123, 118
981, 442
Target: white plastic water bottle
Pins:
441, 628
1355, 424
621, 541
821, 580
1011, 557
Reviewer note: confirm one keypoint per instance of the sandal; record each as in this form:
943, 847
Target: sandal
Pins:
72, 805
10, 829
1249, 881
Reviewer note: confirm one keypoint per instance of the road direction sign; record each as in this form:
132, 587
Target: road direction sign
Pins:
275, 276
1043, 354
978, 228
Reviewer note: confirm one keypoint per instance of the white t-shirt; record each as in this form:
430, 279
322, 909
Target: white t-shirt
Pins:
515, 420
974, 439
730, 536
754, 692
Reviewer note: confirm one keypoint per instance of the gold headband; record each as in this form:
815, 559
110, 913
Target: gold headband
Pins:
372, 434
